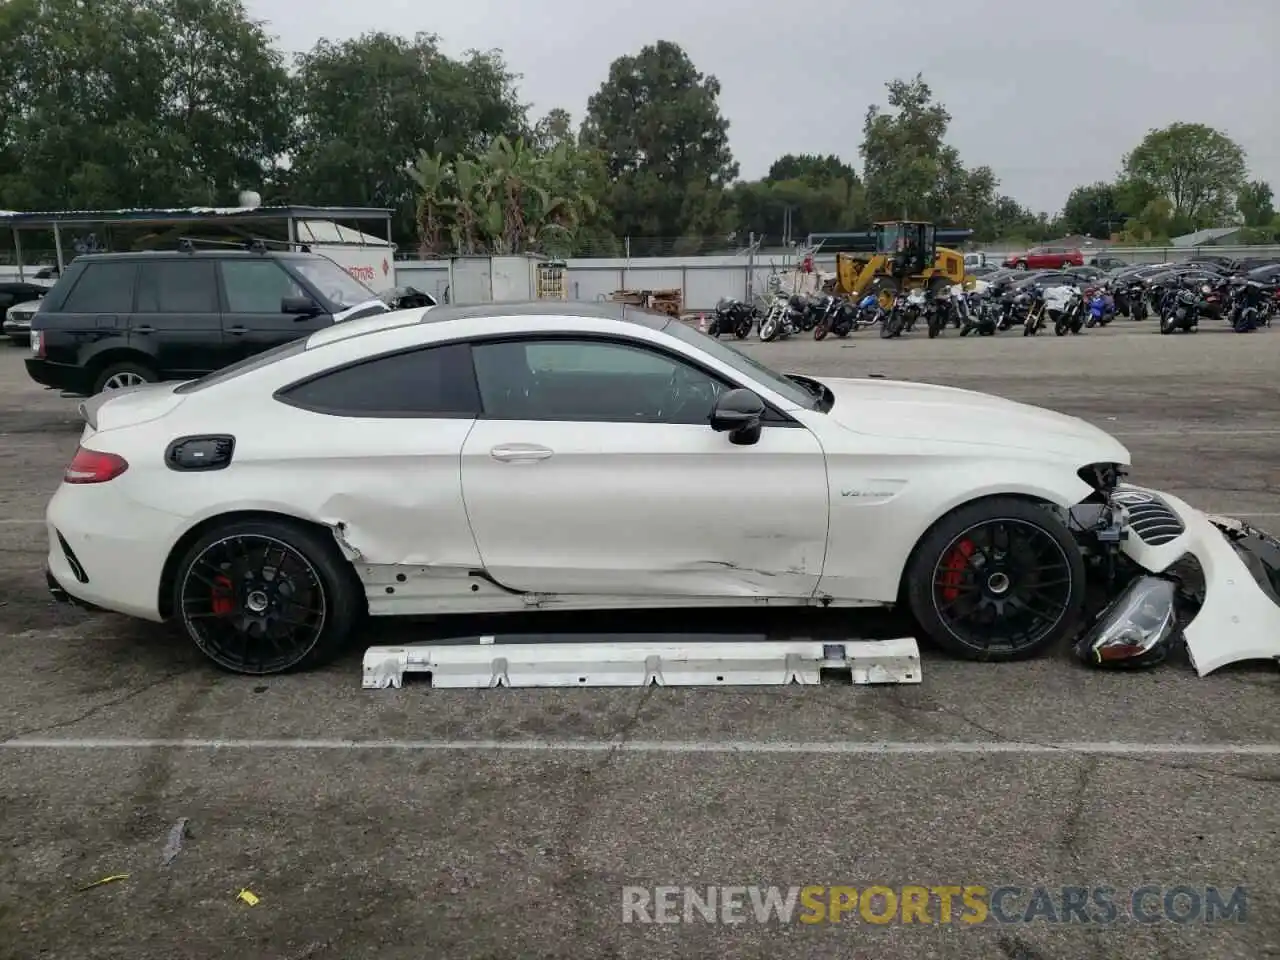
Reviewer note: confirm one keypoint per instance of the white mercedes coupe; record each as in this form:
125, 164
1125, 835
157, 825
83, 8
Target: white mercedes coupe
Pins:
570, 456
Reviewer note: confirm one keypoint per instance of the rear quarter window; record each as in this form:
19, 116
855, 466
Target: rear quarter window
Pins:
103, 286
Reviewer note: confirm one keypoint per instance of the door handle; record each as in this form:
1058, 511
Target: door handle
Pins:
520, 452
144, 328
238, 331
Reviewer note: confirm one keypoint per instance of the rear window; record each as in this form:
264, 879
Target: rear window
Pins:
248, 364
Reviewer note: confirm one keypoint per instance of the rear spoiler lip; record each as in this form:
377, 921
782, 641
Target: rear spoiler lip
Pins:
89, 408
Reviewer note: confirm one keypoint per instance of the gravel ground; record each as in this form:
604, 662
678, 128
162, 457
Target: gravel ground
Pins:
412, 850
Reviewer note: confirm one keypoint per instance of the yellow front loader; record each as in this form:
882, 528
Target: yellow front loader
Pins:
906, 257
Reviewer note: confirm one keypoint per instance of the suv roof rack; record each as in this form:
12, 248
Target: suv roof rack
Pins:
253, 244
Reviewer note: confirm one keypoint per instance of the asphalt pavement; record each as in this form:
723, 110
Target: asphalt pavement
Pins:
483, 824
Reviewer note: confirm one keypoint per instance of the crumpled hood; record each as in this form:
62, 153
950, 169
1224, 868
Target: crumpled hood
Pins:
926, 411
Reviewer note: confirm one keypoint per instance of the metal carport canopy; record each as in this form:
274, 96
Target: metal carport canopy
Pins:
53, 220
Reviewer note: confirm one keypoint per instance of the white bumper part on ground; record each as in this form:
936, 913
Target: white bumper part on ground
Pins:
485, 664
1237, 621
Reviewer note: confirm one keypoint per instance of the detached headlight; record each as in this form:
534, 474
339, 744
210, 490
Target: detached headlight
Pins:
1135, 629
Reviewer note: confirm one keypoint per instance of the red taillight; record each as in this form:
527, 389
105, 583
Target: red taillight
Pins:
93, 466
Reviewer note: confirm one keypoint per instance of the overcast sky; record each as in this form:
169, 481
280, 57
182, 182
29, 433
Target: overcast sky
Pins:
1049, 95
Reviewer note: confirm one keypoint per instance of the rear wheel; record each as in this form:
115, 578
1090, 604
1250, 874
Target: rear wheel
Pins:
117, 376
999, 579
264, 596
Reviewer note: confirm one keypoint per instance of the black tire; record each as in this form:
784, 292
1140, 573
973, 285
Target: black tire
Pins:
128, 370
742, 330
339, 597
938, 545
820, 331
1167, 323
1061, 326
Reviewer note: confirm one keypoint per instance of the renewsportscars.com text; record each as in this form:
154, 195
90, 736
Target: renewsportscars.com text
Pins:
962, 904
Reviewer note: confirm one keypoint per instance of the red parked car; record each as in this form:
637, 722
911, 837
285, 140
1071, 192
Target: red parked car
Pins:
1045, 258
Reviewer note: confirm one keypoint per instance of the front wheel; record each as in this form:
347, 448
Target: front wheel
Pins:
1168, 323
998, 579
820, 331
262, 597
1061, 326
742, 330
769, 329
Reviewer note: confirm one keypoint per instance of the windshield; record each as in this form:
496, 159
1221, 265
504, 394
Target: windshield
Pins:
339, 287
782, 385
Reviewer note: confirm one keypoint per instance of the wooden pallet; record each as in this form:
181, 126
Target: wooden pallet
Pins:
663, 301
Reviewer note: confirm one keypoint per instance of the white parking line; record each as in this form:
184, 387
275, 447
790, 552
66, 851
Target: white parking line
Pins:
841, 747
1208, 432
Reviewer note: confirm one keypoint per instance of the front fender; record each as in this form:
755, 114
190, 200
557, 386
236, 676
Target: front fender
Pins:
876, 523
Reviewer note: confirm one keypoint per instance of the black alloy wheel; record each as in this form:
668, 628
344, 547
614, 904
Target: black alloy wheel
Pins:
263, 598
1000, 579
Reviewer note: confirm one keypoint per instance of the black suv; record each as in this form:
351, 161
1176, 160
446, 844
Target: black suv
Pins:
119, 319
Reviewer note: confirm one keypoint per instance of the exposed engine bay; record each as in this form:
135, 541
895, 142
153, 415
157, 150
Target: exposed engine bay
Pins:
1164, 574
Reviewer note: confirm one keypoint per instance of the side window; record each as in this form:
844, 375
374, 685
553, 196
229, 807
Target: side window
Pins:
177, 286
433, 382
257, 286
103, 287
590, 381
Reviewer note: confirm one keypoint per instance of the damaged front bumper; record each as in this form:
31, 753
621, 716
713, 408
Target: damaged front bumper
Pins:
1234, 581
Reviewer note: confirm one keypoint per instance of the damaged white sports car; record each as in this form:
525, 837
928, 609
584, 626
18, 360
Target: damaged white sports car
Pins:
515, 457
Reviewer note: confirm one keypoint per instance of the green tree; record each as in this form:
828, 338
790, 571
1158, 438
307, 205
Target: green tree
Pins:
665, 145
768, 208
505, 198
811, 168
1094, 210
368, 106
136, 103
1196, 168
553, 129
1255, 203
909, 171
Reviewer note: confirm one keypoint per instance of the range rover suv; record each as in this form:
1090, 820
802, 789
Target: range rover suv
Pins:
119, 319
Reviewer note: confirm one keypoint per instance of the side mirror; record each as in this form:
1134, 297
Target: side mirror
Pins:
303, 306
738, 412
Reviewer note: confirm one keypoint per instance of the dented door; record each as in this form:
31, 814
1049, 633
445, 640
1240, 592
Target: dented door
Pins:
646, 509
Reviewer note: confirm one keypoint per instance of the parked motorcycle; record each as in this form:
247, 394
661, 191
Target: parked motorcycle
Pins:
1131, 300
1248, 306
978, 313
1180, 309
937, 312
1028, 309
1101, 307
1066, 308
902, 315
828, 310
732, 316
779, 319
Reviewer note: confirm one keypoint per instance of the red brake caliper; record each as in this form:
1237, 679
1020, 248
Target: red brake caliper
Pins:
224, 599
953, 569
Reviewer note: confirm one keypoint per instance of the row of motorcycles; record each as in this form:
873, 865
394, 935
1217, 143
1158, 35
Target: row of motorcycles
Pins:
1245, 304
1066, 309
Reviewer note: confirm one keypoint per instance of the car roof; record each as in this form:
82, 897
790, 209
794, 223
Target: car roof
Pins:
577, 309
175, 254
